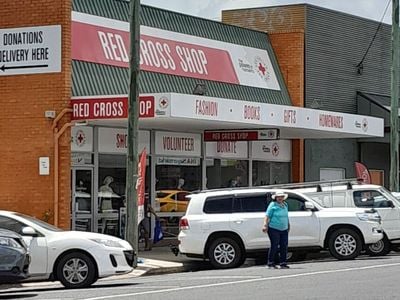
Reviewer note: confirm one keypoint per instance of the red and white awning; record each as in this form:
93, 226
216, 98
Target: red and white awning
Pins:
193, 113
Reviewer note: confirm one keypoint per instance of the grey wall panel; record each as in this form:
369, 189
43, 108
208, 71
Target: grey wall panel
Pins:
329, 154
335, 44
375, 156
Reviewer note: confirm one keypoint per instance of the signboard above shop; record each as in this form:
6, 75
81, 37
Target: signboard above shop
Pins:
115, 140
106, 41
238, 120
177, 143
30, 50
241, 135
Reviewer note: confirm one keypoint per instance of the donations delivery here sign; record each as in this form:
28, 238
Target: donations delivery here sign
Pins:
30, 50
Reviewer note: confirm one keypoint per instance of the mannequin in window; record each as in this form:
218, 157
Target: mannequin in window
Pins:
181, 183
106, 185
106, 194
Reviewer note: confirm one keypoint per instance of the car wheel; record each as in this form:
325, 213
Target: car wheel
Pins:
345, 244
380, 248
225, 253
76, 270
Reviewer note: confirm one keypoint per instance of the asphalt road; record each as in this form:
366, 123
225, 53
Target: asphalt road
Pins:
364, 278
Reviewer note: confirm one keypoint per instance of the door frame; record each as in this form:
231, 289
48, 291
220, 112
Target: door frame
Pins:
74, 169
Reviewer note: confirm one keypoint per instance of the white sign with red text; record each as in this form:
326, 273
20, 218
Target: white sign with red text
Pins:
178, 109
177, 143
227, 149
115, 140
272, 115
106, 41
279, 150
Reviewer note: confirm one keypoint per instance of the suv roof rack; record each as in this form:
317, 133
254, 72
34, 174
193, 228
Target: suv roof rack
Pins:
317, 184
298, 185
239, 188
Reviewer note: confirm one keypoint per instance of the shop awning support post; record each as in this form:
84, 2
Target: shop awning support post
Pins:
394, 109
133, 118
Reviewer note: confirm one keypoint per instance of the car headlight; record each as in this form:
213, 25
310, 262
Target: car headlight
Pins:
375, 217
108, 243
9, 242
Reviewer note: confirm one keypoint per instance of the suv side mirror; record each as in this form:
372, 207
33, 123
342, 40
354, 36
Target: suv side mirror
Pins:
308, 205
390, 203
29, 231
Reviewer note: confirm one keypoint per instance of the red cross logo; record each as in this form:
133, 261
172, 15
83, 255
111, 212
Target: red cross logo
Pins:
163, 102
275, 149
80, 138
261, 68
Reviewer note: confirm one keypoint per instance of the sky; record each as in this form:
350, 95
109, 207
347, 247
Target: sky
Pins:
211, 9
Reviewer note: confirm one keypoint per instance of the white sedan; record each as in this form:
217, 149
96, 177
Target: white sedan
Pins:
75, 258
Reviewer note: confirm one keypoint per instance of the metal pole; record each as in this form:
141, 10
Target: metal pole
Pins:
394, 110
133, 117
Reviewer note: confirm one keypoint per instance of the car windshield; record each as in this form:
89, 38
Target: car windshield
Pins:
40, 223
388, 195
162, 195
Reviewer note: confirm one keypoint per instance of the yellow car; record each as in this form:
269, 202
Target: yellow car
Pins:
172, 200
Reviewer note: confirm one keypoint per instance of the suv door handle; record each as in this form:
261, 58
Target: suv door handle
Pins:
238, 221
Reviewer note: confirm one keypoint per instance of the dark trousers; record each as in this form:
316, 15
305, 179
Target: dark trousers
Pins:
278, 238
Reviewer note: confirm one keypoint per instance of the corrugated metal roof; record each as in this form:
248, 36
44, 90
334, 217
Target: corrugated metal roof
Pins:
95, 79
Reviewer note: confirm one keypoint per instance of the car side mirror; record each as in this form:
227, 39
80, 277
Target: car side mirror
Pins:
309, 206
390, 203
29, 231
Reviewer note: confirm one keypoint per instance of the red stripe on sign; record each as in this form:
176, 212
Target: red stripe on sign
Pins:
109, 108
111, 47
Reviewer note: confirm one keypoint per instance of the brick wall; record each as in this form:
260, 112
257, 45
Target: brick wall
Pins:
285, 26
25, 133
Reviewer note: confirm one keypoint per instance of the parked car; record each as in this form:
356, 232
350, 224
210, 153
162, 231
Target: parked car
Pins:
172, 200
365, 196
225, 226
75, 258
14, 257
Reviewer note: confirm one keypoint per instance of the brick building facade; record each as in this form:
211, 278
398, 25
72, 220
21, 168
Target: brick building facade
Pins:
25, 133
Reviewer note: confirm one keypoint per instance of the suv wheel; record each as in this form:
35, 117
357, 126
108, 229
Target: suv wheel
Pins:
225, 253
344, 244
380, 248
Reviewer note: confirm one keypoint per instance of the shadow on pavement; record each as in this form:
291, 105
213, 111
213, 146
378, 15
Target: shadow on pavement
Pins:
27, 290
13, 296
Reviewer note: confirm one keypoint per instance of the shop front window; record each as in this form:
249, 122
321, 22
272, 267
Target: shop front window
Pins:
176, 178
112, 194
226, 173
266, 173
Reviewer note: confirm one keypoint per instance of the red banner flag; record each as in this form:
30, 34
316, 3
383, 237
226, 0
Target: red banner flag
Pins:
140, 185
362, 172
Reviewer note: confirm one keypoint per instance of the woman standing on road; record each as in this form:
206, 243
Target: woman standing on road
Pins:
276, 223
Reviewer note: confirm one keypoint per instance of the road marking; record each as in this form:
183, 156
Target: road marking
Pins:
244, 281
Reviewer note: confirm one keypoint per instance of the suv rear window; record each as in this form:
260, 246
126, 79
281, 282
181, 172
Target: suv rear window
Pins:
218, 205
252, 203
237, 203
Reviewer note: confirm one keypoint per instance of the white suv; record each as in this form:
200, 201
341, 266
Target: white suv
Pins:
225, 226
367, 196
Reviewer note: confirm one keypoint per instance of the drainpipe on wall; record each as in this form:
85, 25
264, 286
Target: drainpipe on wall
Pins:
57, 133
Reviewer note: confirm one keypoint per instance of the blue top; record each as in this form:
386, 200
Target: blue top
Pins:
278, 216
